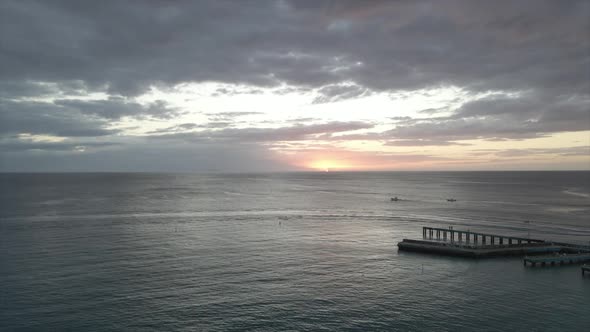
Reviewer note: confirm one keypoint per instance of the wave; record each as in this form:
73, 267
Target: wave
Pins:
575, 192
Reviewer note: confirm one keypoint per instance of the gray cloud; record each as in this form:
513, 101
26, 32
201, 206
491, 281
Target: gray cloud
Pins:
74, 118
500, 118
564, 152
420, 142
115, 108
189, 127
20, 146
230, 91
337, 92
291, 133
229, 116
431, 111
149, 156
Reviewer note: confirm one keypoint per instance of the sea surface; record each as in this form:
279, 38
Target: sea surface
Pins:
284, 252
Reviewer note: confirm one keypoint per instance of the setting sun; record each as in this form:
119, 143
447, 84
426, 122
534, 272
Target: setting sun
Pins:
328, 165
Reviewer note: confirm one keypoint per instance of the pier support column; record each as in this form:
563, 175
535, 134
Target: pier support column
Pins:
483, 239
519, 241
452, 236
467, 237
445, 235
475, 238
460, 236
424, 232
438, 234
492, 240
501, 240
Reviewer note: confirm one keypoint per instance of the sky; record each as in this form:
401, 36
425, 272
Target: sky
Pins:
258, 86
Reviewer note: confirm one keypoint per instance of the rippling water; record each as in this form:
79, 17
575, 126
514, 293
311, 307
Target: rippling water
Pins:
278, 252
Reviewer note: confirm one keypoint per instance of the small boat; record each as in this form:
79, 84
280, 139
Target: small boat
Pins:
451, 200
395, 199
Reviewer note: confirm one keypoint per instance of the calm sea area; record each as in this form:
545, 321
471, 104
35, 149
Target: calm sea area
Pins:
284, 252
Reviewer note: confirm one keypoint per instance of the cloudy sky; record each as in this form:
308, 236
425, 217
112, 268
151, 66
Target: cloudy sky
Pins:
234, 86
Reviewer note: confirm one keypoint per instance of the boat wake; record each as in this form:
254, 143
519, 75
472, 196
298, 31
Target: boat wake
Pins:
574, 192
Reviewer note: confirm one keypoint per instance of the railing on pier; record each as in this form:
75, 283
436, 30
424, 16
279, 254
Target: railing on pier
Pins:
449, 234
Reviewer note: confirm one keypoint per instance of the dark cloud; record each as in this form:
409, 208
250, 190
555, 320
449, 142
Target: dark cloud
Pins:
20, 89
380, 45
74, 118
68, 118
15, 89
49, 119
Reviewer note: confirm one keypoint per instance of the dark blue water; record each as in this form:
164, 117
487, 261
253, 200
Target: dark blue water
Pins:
283, 252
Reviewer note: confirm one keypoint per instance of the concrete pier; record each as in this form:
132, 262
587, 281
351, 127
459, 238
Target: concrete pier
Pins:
476, 251
556, 259
448, 241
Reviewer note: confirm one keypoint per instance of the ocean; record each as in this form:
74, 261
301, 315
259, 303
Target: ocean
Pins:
284, 252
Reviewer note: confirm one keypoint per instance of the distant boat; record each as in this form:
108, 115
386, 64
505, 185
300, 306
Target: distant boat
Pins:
451, 200
395, 199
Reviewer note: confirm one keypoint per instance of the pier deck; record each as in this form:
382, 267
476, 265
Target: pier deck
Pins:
476, 251
557, 259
